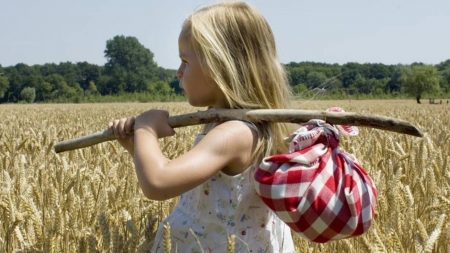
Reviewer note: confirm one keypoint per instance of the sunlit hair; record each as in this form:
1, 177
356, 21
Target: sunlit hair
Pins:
236, 48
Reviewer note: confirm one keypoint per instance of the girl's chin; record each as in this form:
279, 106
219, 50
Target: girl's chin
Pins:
196, 103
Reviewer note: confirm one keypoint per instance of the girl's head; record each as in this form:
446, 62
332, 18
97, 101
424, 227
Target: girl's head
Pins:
235, 49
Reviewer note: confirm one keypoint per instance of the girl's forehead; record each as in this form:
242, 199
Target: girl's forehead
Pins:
184, 41
184, 36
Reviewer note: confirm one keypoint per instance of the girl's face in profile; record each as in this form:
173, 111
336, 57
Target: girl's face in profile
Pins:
196, 85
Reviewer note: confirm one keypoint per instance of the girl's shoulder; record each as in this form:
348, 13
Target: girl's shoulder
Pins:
240, 124
229, 124
234, 141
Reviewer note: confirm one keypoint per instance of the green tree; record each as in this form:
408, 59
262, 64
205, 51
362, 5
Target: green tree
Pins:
28, 94
299, 89
420, 79
444, 70
349, 73
394, 83
92, 89
159, 88
445, 80
59, 85
69, 71
44, 91
315, 79
297, 75
4, 85
377, 71
87, 73
103, 85
175, 85
360, 84
129, 64
375, 86
48, 69
166, 74
16, 82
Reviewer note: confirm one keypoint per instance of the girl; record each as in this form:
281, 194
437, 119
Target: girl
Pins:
228, 60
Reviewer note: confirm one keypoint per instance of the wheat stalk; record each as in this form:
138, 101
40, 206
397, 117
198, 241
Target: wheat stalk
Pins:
434, 236
166, 236
230, 245
41, 191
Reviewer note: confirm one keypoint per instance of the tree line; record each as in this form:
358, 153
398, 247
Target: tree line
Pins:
130, 69
370, 79
131, 73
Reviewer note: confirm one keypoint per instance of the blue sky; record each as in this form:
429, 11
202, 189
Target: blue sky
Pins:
330, 31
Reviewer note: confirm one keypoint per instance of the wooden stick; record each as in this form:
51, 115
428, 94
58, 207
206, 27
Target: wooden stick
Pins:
270, 115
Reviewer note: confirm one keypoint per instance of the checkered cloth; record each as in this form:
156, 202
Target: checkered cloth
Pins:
319, 191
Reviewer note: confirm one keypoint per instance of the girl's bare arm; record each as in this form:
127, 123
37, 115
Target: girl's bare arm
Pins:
228, 145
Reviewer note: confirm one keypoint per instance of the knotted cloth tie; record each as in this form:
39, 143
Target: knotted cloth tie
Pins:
319, 191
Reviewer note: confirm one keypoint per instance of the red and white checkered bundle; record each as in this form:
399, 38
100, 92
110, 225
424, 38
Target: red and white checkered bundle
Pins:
319, 191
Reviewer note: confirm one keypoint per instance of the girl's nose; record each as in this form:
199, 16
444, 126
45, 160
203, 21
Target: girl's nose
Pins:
179, 75
179, 72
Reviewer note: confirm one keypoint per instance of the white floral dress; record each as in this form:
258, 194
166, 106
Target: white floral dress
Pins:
224, 205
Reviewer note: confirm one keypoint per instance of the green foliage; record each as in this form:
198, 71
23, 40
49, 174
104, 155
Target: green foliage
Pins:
4, 85
420, 79
299, 89
28, 94
445, 80
349, 73
58, 84
166, 75
315, 79
393, 85
92, 89
129, 64
142, 97
159, 87
444, 70
87, 73
130, 74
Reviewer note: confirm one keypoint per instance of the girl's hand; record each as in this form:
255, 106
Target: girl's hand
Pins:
154, 122
122, 129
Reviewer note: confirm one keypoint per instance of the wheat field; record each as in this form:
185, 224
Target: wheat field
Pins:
88, 200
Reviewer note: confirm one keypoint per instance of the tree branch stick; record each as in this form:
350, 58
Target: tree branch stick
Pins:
269, 115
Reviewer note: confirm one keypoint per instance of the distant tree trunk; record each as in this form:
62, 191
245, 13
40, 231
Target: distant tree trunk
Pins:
418, 99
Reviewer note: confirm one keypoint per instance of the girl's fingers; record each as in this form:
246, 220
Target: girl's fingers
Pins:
115, 128
122, 128
129, 125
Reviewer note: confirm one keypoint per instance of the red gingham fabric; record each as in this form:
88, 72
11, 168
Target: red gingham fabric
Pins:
319, 191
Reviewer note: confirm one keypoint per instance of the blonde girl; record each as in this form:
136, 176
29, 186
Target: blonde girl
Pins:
228, 60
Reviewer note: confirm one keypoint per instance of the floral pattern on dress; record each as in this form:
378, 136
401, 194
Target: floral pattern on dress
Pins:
224, 205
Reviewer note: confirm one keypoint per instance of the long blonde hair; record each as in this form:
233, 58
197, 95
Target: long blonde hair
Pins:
236, 47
